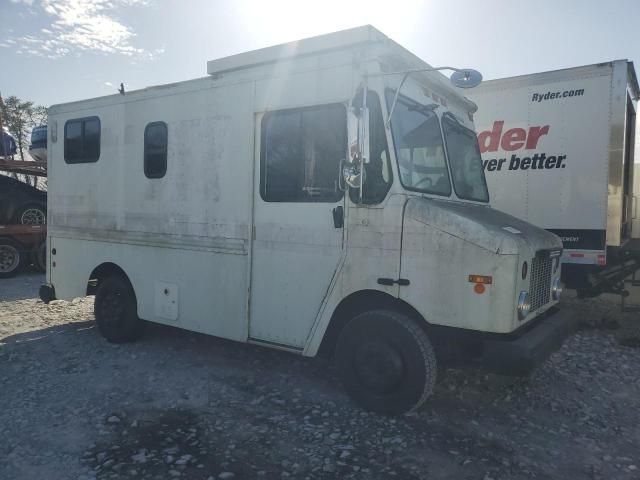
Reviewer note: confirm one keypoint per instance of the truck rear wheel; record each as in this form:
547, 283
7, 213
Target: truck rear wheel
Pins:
10, 258
115, 309
386, 362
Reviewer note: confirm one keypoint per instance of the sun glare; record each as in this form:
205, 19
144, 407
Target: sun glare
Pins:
286, 20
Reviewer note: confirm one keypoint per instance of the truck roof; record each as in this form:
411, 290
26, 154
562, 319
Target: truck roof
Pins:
394, 56
300, 48
564, 74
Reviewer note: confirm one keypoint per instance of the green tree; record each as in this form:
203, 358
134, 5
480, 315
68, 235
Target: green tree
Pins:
19, 117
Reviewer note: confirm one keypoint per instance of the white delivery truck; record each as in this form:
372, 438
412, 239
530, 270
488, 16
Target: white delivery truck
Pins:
279, 201
558, 151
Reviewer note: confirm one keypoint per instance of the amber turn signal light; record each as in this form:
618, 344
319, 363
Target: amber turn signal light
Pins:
485, 279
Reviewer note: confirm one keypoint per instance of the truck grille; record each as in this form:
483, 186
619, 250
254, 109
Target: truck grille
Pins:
540, 290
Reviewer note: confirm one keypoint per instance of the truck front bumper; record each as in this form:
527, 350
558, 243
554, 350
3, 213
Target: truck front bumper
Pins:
519, 353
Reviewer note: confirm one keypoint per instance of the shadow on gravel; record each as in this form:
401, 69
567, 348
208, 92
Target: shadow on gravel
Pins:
45, 334
606, 315
22, 287
156, 443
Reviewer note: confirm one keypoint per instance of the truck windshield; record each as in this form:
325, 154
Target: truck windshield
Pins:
465, 161
419, 147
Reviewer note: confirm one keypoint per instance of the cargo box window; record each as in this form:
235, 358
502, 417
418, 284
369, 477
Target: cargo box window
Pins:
300, 154
82, 140
155, 150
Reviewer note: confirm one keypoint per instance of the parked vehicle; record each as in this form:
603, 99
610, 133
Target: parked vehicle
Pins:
297, 198
21, 203
38, 147
20, 246
23, 214
8, 145
558, 151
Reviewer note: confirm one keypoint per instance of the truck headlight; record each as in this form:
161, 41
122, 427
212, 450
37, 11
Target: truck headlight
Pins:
556, 289
524, 307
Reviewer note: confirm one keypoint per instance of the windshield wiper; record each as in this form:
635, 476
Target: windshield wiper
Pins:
423, 108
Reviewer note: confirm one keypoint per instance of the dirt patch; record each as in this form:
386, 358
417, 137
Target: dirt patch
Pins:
147, 444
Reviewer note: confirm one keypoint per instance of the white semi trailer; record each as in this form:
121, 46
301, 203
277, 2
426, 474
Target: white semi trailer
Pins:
278, 201
558, 151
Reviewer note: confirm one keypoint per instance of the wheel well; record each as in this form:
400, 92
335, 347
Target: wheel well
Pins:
101, 272
29, 204
32, 203
359, 302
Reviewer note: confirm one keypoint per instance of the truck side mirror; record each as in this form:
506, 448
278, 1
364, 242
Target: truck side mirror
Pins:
352, 174
358, 134
358, 146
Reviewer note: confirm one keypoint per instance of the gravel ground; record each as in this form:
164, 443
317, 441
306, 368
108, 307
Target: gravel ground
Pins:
184, 405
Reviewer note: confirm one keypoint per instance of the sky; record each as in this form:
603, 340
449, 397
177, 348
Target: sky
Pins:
54, 51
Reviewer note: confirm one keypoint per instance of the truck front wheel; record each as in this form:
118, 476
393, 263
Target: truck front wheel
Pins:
386, 362
115, 310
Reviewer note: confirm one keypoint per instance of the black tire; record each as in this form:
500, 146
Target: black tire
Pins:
39, 257
386, 362
31, 214
115, 309
11, 257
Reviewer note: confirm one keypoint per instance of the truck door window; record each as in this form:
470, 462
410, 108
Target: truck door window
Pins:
419, 148
155, 150
82, 140
300, 154
378, 177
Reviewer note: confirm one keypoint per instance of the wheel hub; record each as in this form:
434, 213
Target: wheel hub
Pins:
33, 216
379, 366
111, 308
9, 258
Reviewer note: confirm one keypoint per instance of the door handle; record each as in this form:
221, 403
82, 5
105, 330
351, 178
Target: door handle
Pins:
338, 216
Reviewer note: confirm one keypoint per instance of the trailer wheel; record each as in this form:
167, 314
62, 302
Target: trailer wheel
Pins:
386, 362
115, 310
10, 258
39, 257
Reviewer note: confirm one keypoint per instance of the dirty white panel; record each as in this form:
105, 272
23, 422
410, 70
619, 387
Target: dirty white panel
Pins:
210, 287
204, 192
166, 300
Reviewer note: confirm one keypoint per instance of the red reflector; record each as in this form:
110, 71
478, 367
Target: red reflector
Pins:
579, 255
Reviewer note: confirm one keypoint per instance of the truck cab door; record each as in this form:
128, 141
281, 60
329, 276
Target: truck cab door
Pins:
298, 215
